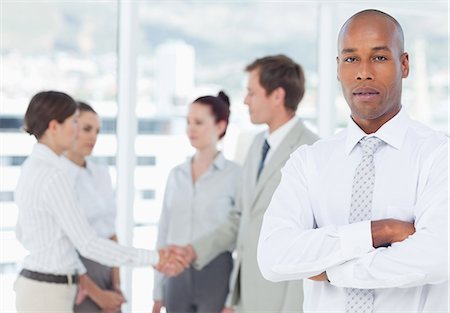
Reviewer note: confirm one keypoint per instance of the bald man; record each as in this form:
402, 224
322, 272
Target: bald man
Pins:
364, 214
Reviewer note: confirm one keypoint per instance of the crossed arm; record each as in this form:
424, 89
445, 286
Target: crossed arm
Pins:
384, 234
371, 254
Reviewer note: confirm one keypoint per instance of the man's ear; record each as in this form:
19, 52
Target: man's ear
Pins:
404, 59
337, 69
279, 95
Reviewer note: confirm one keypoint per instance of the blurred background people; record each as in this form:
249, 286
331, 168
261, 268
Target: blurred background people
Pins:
95, 197
276, 85
50, 225
199, 194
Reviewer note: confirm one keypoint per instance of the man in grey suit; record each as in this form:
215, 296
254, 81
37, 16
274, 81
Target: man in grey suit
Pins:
276, 85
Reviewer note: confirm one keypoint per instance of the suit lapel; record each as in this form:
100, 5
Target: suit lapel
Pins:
280, 156
254, 156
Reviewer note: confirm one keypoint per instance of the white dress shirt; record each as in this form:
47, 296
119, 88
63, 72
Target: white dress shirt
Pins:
192, 210
52, 227
306, 231
276, 137
94, 194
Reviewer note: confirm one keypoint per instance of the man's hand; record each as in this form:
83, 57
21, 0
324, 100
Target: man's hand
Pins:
186, 252
386, 232
321, 277
157, 306
227, 310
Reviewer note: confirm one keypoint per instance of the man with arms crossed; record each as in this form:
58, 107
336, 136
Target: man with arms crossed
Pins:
276, 85
364, 214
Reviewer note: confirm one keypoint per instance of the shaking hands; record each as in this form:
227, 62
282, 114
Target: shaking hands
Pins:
175, 259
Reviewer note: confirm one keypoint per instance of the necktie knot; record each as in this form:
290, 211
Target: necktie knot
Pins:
370, 145
265, 149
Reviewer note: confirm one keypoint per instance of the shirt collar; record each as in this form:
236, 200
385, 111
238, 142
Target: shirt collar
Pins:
218, 163
43, 152
275, 138
392, 132
72, 169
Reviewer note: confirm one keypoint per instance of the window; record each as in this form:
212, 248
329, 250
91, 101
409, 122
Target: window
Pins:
65, 46
186, 49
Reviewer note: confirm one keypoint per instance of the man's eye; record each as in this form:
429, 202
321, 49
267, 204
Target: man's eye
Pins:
350, 59
380, 58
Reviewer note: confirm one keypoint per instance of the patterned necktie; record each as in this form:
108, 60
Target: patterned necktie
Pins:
361, 300
264, 151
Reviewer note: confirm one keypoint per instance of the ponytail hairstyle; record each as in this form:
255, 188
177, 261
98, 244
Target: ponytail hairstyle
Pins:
46, 106
220, 108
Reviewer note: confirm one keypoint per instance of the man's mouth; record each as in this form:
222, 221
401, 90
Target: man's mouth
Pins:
365, 94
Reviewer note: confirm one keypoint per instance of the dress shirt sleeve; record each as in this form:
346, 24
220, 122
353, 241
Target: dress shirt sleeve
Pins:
161, 241
423, 257
61, 202
290, 245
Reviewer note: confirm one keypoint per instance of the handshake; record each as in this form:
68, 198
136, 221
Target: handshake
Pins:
175, 259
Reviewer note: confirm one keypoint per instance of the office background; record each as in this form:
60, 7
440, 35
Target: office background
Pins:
140, 63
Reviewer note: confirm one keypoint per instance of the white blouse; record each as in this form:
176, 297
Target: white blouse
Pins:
192, 210
51, 226
94, 194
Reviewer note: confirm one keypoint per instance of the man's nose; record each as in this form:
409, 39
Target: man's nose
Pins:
364, 71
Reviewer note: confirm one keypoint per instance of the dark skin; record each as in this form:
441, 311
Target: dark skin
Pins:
371, 65
384, 233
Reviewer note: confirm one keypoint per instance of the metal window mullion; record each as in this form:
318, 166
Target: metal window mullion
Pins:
126, 132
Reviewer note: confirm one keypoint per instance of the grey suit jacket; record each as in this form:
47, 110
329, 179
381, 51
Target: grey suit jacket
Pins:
249, 291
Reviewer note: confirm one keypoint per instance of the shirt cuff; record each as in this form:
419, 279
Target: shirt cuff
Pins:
146, 257
337, 275
157, 294
355, 239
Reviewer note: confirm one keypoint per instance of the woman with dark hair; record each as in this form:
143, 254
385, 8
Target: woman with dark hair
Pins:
50, 224
95, 197
199, 194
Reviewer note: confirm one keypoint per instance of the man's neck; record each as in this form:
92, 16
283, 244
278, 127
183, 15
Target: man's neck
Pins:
277, 123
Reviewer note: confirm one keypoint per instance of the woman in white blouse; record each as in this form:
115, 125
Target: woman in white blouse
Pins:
199, 194
50, 224
95, 196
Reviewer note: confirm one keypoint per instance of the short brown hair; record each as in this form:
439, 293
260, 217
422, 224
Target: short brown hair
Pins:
281, 71
46, 106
